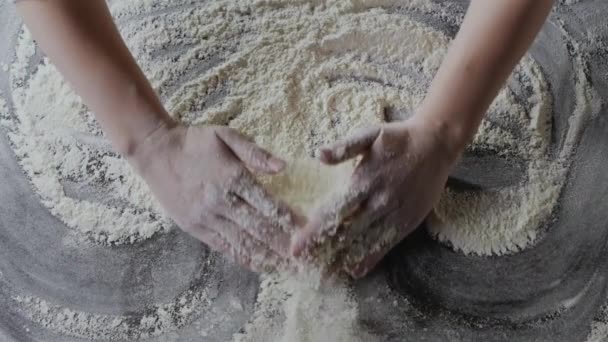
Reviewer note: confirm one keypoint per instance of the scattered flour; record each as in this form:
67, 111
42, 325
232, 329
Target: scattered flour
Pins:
294, 75
163, 320
70, 164
82, 324
599, 326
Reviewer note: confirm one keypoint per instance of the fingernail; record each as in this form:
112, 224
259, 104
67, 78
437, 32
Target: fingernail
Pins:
276, 164
300, 221
324, 154
297, 245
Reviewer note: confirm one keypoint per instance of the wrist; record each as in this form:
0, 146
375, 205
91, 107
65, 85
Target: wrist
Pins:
130, 140
132, 116
452, 136
154, 147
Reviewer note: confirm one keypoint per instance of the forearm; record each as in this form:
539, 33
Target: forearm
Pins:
492, 39
81, 39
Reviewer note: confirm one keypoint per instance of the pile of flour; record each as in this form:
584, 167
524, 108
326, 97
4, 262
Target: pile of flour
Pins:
301, 308
293, 75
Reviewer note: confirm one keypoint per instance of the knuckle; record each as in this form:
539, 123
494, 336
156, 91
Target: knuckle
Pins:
381, 201
358, 273
356, 270
238, 173
217, 244
235, 179
213, 198
242, 258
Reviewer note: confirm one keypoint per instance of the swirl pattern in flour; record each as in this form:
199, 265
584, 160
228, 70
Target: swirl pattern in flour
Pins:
293, 75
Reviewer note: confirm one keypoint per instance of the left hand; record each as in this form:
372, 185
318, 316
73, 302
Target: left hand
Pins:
400, 177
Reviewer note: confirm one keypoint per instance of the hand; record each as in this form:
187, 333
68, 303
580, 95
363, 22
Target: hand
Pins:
202, 178
401, 175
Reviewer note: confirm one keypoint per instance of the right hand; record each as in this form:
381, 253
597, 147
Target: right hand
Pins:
201, 176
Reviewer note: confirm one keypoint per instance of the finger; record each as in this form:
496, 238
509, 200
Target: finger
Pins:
325, 222
246, 250
373, 209
256, 224
238, 255
277, 212
350, 147
364, 254
253, 156
212, 239
350, 246
362, 268
382, 236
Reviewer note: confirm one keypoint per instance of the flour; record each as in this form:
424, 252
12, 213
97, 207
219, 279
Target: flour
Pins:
302, 309
159, 320
62, 150
304, 183
599, 326
294, 75
508, 220
513, 211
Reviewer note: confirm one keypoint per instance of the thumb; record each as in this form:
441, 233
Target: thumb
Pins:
324, 222
350, 147
253, 156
